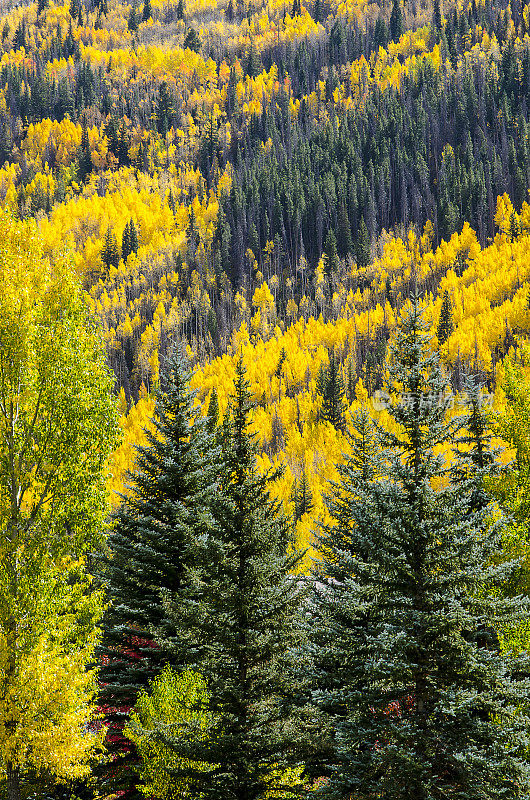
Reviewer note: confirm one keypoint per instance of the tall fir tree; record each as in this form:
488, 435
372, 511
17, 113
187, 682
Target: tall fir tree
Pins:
168, 500
235, 624
419, 701
445, 323
330, 385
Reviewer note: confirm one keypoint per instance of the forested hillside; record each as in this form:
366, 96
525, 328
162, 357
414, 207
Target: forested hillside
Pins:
269, 187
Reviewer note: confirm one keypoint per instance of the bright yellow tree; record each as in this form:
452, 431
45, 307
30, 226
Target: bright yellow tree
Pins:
57, 427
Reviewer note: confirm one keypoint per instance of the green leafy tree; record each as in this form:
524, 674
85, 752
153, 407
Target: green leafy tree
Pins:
235, 624
167, 502
409, 679
57, 426
179, 701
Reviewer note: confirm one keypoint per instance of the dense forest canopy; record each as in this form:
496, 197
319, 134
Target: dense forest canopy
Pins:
247, 200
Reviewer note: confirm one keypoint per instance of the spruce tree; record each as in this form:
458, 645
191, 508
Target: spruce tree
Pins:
396, 21
170, 492
420, 703
330, 386
235, 624
363, 245
110, 254
445, 323
332, 258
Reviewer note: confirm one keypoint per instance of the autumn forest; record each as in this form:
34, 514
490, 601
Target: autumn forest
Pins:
264, 400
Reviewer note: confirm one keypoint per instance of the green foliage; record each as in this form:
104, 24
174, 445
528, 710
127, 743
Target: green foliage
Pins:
408, 675
57, 427
235, 623
166, 508
178, 704
330, 387
445, 323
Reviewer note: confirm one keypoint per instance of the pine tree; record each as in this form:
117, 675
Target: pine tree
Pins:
125, 243
180, 9
332, 258
85, 157
396, 21
445, 323
170, 492
235, 626
253, 61
363, 245
302, 496
419, 700
146, 11
330, 387
110, 255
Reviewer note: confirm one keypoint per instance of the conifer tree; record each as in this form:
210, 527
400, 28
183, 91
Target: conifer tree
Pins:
445, 324
420, 703
332, 258
363, 245
302, 496
110, 254
171, 489
146, 11
396, 21
180, 9
85, 158
331, 387
235, 624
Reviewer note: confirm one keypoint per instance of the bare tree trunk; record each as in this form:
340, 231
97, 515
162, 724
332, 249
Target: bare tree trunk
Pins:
13, 783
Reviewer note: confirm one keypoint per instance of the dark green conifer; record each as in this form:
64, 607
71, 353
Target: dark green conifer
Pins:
396, 21
180, 9
146, 11
85, 157
167, 503
302, 496
235, 624
364, 255
418, 700
110, 255
332, 257
192, 40
330, 386
445, 323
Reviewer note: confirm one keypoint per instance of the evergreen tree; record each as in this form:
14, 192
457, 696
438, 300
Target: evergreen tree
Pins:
192, 40
364, 254
396, 21
420, 703
330, 387
180, 9
85, 157
132, 20
125, 243
445, 323
330, 250
146, 11
235, 624
302, 496
253, 61
170, 492
110, 254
